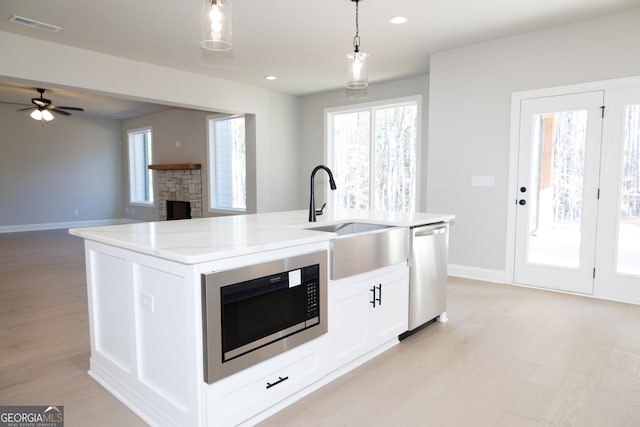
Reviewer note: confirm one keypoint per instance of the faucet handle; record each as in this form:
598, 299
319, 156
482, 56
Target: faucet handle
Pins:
319, 212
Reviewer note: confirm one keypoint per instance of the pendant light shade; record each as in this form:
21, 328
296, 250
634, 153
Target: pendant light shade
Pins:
215, 25
357, 62
357, 68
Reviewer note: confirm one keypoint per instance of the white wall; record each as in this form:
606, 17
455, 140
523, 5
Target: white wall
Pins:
281, 156
48, 172
469, 122
313, 138
86, 70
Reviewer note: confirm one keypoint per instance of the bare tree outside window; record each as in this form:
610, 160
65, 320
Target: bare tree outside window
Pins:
374, 156
631, 166
568, 167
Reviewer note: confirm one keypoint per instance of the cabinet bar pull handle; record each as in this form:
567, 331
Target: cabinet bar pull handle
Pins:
379, 299
373, 297
280, 379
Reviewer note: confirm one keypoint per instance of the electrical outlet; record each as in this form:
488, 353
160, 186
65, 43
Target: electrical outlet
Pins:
146, 302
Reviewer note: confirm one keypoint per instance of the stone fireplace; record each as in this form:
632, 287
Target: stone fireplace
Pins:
178, 182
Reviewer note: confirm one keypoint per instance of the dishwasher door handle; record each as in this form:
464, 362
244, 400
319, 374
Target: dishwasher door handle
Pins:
431, 232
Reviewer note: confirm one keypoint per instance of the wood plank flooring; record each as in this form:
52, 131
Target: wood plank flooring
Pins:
508, 356
44, 333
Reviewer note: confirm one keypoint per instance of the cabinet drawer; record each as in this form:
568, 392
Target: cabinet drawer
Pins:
241, 396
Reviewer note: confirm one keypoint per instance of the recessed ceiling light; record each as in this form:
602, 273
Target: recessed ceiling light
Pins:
398, 20
271, 78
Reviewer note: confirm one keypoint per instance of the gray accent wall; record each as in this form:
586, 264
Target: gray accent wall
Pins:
178, 136
469, 119
273, 126
312, 146
68, 171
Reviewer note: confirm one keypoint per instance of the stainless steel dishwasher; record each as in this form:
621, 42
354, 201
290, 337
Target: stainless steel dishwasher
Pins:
428, 248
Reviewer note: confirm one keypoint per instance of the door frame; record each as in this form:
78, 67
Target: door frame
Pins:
514, 141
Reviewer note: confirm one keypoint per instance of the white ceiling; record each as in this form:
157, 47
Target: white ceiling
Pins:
302, 42
14, 95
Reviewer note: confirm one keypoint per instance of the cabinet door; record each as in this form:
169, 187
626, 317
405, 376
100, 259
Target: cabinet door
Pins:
390, 317
348, 320
356, 326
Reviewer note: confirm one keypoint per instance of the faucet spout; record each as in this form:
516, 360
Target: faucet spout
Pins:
312, 202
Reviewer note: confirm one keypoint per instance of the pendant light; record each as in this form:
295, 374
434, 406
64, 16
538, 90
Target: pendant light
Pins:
357, 71
215, 25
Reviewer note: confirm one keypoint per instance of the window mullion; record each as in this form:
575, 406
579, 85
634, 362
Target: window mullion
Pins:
373, 163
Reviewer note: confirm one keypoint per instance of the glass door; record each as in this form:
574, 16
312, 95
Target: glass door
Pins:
618, 262
558, 175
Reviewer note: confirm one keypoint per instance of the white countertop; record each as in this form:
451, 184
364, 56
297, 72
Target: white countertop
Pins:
194, 241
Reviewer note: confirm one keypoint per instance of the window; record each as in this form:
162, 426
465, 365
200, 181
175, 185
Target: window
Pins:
227, 163
373, 155
140, 182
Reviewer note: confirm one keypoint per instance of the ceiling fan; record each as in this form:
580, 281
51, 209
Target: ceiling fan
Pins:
43, 108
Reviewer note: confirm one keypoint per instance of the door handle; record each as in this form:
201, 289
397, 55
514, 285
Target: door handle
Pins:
522, 202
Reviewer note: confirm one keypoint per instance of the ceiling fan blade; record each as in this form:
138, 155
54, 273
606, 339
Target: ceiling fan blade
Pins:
69, 108
64, 113
14, 103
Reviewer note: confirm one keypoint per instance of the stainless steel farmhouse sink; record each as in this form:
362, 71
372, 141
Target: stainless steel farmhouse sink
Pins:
362, 247
344, 228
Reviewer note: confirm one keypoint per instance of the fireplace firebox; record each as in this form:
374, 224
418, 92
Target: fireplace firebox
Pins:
178, 210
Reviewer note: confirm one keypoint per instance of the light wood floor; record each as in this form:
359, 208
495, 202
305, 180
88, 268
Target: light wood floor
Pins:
508, 356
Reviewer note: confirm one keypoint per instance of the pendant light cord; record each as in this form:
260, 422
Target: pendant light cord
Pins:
356, 38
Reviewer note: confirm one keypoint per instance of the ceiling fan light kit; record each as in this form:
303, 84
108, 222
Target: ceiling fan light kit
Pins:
41, 115
357, 62
42, 108
215, 25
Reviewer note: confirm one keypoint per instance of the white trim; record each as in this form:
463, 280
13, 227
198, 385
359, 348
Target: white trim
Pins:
130, 149
59, 225
516, 99
211, 119
578, 294
142, 205
478, 273
497, 276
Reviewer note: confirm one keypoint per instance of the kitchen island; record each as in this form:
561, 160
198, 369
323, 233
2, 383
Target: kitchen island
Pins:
145, 298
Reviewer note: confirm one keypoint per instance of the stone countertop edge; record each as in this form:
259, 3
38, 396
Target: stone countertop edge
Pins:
209, 239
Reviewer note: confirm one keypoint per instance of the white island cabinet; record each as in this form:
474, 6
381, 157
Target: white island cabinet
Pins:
145, 301
367, 312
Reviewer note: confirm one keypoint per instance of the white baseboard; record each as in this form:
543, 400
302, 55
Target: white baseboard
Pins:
59, 225
477, 273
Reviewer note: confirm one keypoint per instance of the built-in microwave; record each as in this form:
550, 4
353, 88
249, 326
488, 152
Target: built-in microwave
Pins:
256, 312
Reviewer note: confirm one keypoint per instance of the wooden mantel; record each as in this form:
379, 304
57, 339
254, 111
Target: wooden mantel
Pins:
176, 166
